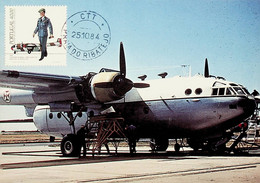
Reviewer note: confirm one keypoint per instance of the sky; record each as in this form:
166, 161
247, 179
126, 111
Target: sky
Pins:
161, 35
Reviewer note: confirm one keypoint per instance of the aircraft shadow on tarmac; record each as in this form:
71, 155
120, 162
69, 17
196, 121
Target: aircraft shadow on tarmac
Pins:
103, 157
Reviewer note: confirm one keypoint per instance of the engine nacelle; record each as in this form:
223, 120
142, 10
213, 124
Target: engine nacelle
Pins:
105, 93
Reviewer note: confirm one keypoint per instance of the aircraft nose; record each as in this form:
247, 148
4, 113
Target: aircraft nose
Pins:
248, 104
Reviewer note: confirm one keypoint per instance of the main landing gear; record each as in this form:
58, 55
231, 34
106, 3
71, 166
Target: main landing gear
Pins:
162, 143
215, 146
159, 144
234, 140
70, 144
100, 130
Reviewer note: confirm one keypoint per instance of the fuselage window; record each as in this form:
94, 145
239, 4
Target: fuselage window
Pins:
59, 115
221, 91
80, 114
188, 91
146, 110
215, 91
198, 91
50, 115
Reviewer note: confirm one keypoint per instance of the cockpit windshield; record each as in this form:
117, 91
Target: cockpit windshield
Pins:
233, 89
239, 91
247, 92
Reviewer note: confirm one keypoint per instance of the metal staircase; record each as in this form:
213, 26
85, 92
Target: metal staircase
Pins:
104, 129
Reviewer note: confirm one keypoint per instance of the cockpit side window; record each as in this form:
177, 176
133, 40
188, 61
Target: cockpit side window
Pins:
215, 91
228, 92
221, 91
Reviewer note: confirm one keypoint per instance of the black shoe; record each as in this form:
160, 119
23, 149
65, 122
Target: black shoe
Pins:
46, 54
41, 58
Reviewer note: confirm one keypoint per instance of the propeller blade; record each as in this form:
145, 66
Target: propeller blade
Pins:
122, 60
206, 70
104, 85
141, 85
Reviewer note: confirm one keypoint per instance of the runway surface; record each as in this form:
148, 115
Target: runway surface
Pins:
43, 162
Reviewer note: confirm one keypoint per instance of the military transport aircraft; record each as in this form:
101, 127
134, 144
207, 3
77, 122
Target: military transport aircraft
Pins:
199, 108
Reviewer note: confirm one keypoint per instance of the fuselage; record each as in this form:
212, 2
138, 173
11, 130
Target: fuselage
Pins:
186, 106
172, 107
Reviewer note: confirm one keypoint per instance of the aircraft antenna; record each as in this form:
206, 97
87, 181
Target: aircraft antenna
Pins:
184, 70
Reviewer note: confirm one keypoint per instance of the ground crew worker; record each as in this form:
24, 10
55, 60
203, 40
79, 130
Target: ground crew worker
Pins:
131, 134
41, 28
81, 134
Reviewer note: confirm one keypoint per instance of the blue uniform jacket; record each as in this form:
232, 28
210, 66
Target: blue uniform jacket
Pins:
41, 27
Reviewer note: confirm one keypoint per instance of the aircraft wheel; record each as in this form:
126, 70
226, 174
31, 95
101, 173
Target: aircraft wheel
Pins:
195, 144
160, 144
29, 51
177, 147
52, 139
212, 148
152, 145
70, 146
14, 52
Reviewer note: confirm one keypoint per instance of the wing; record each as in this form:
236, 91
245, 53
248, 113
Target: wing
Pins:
37, 82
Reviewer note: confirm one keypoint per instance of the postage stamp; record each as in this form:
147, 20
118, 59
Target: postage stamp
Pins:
33, 35
86, 35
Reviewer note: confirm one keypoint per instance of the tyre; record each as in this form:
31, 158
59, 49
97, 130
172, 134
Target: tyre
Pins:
213, 148
160, 144
52, 139
70, 146
195, 144
177, 147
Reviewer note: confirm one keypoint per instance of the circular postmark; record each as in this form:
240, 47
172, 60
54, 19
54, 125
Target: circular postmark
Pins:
86, 35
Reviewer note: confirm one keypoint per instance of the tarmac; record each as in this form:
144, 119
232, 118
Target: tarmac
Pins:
43, 162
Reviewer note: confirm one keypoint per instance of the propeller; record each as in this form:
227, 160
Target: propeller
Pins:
141, 85
121, 84
206, 70
122, 63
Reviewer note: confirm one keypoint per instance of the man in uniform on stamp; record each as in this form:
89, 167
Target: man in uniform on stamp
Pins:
41, 28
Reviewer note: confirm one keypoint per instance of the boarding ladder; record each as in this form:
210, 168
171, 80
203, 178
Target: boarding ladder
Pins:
253, 136
103, 129
249, 139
